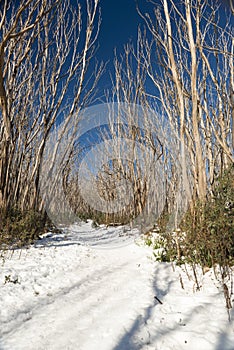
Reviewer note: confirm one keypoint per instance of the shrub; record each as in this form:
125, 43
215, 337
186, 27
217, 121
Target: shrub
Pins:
209, 226
165, 244
19, 228
206, 233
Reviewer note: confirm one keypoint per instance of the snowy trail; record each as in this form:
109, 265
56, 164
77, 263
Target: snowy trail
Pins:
69, 296
72, 295
83, 307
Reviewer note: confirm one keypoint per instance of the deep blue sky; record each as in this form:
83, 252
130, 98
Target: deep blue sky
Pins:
119, 25
120, 21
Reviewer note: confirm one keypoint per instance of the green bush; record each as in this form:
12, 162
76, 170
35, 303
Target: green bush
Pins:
19, 228
209, 226
206, 234
164, 245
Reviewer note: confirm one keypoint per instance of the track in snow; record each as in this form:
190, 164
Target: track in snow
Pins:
69, 296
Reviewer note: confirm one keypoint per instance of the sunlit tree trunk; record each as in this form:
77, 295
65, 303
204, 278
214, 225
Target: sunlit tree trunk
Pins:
43, 67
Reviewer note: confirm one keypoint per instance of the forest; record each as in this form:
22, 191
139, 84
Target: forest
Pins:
156, 151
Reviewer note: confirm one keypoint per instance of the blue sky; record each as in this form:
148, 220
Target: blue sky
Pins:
119, 25
120, 21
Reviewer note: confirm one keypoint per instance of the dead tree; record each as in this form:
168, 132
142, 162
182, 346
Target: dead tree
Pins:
193, 80
45, 51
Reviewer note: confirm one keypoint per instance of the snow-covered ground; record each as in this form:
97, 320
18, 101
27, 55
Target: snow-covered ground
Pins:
64, 295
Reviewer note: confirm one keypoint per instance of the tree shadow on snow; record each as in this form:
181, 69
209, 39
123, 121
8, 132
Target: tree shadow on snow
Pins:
86, 283
223, 342
131, 340
141, 334
55, 241
95, 238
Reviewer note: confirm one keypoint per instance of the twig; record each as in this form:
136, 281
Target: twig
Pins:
160, 302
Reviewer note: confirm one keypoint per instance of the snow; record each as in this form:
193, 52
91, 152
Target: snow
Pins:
91, 289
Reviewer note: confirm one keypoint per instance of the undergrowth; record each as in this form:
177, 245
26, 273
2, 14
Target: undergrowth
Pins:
206, 233
20, 228
205, 237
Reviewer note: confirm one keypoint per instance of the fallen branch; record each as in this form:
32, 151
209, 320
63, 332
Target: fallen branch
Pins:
160, 302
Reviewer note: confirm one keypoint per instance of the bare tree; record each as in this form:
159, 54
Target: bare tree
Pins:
193, 80
182, 68
45, 51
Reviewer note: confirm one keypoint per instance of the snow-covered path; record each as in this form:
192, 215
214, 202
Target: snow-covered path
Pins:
68, 296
